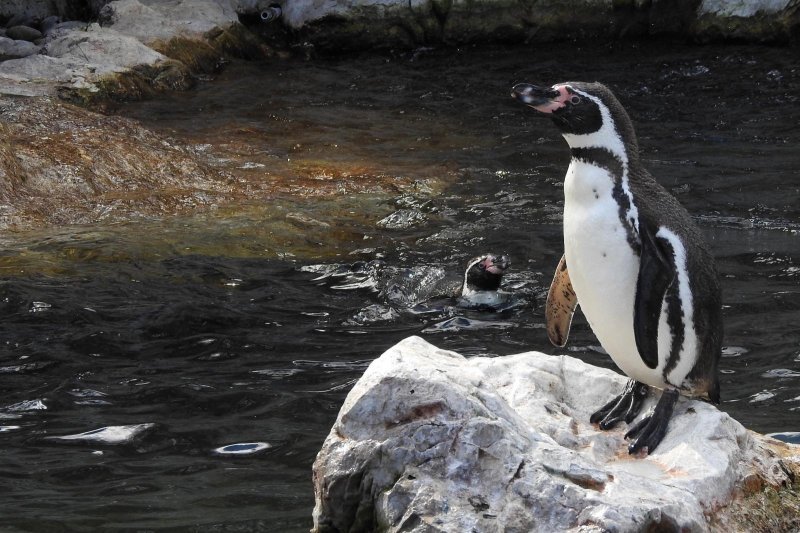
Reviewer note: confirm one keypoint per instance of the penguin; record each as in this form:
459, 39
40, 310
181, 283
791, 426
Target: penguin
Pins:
635, 262
482, 280
478, 288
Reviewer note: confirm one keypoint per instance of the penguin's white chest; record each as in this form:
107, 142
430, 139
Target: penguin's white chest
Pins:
603, 267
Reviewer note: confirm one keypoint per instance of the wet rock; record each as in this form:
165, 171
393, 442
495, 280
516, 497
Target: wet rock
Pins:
12, 49
430, 441
60, 164
402, 219
23, 33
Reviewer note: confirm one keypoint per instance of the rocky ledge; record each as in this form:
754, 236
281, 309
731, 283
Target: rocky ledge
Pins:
430, 441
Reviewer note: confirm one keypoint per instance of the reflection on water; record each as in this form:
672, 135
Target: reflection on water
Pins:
183, 373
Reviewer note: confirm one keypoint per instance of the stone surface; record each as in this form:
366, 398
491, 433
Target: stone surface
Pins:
430, 441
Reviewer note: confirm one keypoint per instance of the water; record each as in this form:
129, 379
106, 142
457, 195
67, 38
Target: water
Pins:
182, 374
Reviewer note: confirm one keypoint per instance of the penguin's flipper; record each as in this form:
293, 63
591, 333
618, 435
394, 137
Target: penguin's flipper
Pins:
656, 274
561, 302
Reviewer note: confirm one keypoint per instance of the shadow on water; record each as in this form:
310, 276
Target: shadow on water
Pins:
217, 349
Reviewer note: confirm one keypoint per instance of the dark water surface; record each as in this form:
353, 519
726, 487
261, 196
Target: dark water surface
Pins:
190, 335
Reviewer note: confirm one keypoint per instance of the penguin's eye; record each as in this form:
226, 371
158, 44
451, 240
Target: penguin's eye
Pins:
575, 99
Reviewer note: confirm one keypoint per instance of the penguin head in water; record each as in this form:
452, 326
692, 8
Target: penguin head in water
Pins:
580, 110
484, 273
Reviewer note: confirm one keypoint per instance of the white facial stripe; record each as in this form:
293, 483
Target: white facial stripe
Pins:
606, 137
609, 138
688, 353
465, 290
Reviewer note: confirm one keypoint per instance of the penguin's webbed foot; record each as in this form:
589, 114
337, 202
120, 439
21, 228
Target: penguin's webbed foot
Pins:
625, 407
648, 432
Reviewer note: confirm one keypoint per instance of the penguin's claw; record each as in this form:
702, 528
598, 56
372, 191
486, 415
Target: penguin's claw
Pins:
650, 430
625, 407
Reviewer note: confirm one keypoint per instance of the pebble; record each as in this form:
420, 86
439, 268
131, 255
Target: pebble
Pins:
23, 33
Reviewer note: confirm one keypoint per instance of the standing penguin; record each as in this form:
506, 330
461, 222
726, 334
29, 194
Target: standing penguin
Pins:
634, 260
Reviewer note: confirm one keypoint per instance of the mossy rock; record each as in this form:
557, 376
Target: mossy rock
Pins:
138, 83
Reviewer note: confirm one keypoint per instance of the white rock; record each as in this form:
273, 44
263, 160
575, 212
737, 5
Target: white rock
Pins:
154, 20
101, 50
430, 441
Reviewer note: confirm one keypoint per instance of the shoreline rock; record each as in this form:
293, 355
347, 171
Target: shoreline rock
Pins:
430, 441
354, 24
136, 50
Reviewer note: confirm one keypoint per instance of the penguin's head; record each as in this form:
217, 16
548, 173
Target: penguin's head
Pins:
578, 108
485, 273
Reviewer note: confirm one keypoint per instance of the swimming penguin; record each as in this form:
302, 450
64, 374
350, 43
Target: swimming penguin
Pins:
481, 287
478, 288
634, 260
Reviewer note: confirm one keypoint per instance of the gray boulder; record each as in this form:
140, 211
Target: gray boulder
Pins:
23, 33
12, 49
430, 441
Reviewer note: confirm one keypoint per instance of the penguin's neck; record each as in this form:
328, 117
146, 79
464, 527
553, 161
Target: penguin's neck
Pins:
601, 167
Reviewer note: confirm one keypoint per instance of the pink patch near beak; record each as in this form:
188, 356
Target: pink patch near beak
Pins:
556, 103
491, 267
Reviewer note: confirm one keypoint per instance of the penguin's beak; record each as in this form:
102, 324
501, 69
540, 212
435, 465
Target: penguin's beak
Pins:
542, 99
533, 95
